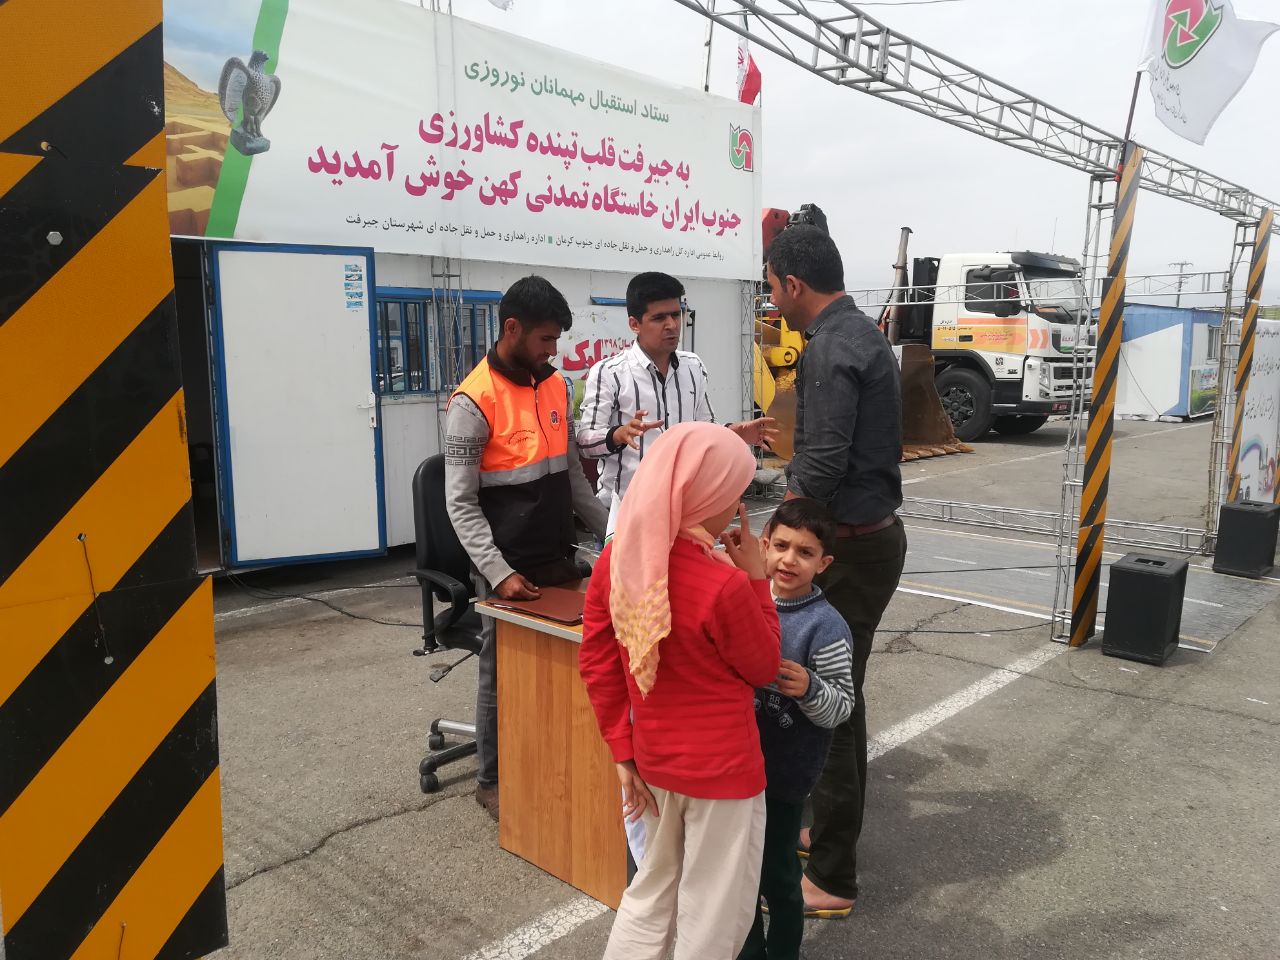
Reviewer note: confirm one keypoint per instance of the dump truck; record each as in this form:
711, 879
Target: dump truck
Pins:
985, 341
1009, 333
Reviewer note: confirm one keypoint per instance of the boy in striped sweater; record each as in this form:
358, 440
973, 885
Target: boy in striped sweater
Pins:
813, 694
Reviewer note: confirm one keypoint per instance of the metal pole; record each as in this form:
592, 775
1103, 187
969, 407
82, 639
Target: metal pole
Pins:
711, 25
894, 311
1180, 264
1097, 468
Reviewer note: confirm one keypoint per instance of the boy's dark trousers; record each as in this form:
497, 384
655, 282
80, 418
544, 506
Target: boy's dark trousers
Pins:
780, 887
859, 584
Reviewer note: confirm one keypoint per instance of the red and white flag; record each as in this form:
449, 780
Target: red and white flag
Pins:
748, 74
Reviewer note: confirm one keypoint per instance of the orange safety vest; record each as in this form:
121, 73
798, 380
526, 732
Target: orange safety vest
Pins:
524, 478
527, 426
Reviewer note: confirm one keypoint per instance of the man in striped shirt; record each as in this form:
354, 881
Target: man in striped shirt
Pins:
648, 387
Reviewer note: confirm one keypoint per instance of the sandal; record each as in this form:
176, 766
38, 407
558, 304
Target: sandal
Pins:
827, 913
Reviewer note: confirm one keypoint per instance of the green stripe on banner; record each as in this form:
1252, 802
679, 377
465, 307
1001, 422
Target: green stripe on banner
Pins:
235, 165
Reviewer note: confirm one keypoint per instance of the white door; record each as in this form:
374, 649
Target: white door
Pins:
300, 463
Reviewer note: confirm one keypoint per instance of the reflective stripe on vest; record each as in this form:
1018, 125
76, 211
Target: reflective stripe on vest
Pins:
528, 435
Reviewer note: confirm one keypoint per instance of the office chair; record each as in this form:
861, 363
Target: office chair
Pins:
444, 572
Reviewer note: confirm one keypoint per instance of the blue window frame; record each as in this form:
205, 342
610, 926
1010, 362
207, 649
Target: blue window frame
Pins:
429, 340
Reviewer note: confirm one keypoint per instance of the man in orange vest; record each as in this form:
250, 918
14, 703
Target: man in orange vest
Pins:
513, 481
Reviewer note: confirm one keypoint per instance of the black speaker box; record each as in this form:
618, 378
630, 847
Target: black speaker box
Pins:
1144, 608
1247, 538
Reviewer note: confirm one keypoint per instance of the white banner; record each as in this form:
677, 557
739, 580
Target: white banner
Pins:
1259, 464
414, 132
1260, 438
1198, 55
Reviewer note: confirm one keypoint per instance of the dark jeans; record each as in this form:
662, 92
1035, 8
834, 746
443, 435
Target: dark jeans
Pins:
859, 584
780, 887
549, 575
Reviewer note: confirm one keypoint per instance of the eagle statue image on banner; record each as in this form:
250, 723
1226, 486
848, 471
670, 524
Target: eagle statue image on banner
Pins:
256, 92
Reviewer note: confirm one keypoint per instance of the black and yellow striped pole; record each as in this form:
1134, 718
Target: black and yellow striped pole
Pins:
1097, 466
110, 811
1248, 339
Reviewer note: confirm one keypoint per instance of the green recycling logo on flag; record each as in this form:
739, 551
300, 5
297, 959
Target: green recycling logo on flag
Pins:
1188, 26
1198, 56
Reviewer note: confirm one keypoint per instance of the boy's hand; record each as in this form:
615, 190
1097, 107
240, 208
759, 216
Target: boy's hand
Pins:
793, 679
636, 797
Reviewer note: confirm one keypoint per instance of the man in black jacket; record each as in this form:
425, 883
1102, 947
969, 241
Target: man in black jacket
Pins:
848, 444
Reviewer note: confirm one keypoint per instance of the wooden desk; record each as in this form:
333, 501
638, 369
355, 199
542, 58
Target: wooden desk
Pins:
559, 793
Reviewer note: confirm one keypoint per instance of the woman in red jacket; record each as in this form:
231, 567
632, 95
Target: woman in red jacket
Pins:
676, 637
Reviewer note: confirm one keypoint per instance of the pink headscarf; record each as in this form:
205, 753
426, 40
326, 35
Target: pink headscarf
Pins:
692, 472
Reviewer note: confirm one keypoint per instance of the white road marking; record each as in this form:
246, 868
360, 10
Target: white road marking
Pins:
294, 601
542, 931
1032, 573
1203, 603
1055, 452
971, 563
1040, 544
1184, 641
929, 718
975, 603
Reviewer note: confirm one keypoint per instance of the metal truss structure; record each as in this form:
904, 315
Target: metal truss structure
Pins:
1099, 215
837, 41
1246, 236
1128, 533
872, 300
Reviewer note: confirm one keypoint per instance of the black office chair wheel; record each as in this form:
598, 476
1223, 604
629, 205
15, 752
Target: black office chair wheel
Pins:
429, 783
435, 741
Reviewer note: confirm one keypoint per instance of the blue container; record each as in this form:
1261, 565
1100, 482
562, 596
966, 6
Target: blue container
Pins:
1168, 362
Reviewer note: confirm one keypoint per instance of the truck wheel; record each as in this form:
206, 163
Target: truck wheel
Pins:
966, 396
1019, 426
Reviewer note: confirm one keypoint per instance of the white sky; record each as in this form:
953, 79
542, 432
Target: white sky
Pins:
875, 167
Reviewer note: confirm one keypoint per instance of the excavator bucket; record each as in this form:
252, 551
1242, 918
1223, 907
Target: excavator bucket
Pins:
926, 428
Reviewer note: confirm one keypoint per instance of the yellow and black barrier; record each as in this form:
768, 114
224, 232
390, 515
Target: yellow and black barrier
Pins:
1097, 467
1248, 340
110, 814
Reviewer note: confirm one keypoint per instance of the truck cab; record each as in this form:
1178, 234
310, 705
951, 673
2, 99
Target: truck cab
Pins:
1003, 331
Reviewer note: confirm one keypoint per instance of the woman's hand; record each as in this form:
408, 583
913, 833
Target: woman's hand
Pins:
636, 797
744, 548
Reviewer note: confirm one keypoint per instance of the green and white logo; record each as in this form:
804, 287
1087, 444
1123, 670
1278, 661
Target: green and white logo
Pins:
1188, 26
741, 149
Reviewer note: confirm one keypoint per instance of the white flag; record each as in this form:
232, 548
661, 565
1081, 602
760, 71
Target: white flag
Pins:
502, 4
1198, 56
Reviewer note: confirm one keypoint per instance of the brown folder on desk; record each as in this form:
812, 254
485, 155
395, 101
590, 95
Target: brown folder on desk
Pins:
557, 604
